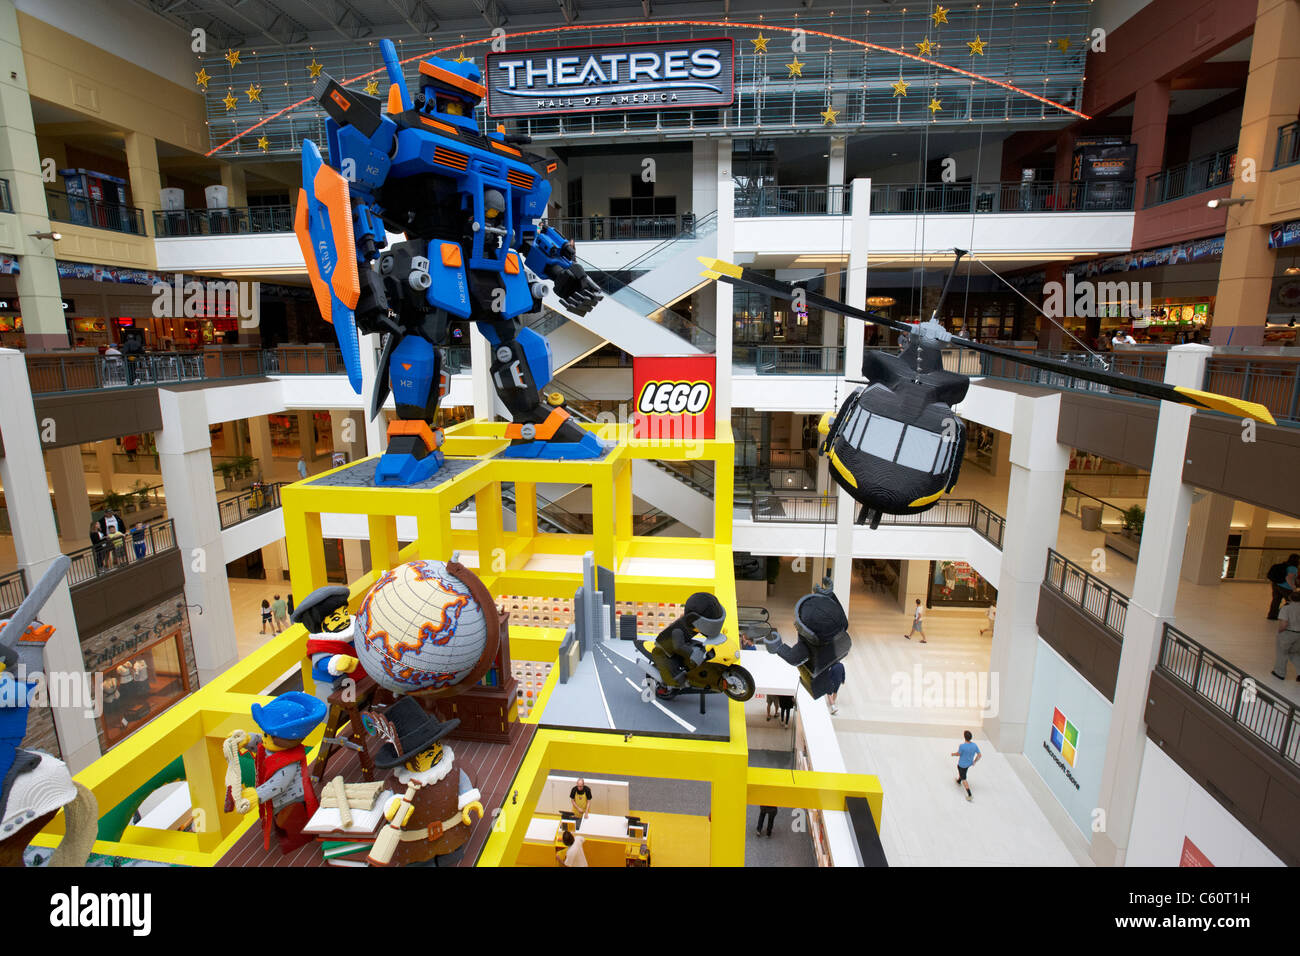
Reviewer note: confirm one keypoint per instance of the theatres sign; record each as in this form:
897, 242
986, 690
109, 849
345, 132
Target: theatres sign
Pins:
611, 78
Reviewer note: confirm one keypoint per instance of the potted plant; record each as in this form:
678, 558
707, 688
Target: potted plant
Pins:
1133, 519
114, 502
245, 464
141, 491
227, 469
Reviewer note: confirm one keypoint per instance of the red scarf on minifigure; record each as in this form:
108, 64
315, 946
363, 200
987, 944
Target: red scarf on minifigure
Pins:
265, 765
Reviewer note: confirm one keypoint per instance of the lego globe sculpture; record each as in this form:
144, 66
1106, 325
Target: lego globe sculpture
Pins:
428, 628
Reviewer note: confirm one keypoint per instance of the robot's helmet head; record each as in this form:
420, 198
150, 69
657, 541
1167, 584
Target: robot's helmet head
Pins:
819, 618
452, 88
707, 616
494, 204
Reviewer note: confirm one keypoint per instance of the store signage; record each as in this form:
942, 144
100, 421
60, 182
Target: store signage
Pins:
15, 305
674, 396
1287, 234
1192, 855
1197, 250
611, 78
1065, 742
1105, 160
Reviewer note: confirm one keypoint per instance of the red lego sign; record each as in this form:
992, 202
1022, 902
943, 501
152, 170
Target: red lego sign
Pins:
673, 396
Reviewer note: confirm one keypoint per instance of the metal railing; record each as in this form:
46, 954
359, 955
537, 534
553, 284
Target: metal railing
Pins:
1252, 564
234, 221
1275, 385
1092, 595
695, 474
80, 211
6, 202
13, 589
909, 199
795, 201
993, 366
1246, 702
611, 228
1194, 176
121, 551
702, 227
1288, 146
823, 509
656, 312
790, 359
258, 500
1073, 501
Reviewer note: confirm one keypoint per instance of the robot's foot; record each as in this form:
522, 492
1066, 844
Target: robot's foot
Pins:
589, 446
396, 469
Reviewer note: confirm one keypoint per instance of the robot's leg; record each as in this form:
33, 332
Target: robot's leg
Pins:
418, 385
521, 368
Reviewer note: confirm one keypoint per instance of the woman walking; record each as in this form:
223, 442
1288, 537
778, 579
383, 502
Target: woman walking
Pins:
266, 614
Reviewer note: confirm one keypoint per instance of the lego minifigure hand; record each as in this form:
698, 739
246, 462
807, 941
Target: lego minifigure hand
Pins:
342, 664
465, 816
392, 809
250, 794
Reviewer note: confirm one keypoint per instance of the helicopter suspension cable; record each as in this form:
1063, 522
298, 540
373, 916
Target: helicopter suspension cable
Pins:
1037, 308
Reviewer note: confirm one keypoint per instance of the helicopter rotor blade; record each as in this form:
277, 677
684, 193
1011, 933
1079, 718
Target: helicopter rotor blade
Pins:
738, 275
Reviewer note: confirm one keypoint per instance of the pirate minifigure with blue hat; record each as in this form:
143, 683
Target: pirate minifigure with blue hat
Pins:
333, 655
282, 785
429, 823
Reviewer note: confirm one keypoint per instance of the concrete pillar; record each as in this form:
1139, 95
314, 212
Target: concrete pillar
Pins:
1049, 333
1272, 100
275, 562
1257, 534
1155, 591
307, 437
1150, 114
185, 459
484, 394
1207, 538
20, 163
70, 496
354, 562
104, 461
913, 583
146, 181
835, 174
376, 429
259, 433
348, 433
831, 322
856, 287
1037, 479
724, 298
36, 543
232, 177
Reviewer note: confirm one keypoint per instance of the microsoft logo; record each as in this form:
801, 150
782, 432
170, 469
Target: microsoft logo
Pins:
1065, 736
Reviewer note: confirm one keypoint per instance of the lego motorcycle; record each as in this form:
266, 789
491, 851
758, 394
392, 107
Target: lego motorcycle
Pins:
677, 662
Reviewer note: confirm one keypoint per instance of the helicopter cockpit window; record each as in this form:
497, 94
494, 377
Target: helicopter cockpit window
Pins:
857, 422
919, 450
881, 437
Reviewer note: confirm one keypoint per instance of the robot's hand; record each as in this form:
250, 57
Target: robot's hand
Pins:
574, 287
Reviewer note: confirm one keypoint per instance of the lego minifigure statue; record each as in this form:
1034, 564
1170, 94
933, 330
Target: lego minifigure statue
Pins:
430, 819
676, 650
283, 789
325, 615
821, 640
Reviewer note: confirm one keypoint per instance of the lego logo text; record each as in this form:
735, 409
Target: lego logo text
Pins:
674, 398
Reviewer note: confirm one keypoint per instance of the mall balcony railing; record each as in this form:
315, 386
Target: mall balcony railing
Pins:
1194, 176
1245, 702
13, 589
910, 199
1287, 152
1273, 382
232, 221
615, 228
258, 500
1074, 501
6, 202
794, 201
790, 359
1090, 594
121, 551
81, 211
1143, 365
822, 509
1252, 564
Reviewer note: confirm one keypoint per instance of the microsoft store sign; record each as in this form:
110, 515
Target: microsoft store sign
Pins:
611, 78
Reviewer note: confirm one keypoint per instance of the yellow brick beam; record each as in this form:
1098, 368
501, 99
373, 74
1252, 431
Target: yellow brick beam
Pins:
811, 790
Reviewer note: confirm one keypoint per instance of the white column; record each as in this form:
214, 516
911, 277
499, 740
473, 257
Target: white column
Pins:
1207, 538
1155, 591
724, 319
185, 460
36, 545
376, 433
480, 354
259, 434
856, 286
1257, 534
70, 498
104, 460
835, 175
1038, 466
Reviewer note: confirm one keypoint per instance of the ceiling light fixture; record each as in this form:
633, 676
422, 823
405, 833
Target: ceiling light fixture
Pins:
56, 236
1229, 201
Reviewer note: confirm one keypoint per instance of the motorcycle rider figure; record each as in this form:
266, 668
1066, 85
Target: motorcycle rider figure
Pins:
676, 651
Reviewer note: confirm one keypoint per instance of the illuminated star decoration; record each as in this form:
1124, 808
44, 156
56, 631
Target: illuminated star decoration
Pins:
795, 67
934, 106
925, 47
976, 46
829, 115
254, 93
940, 15
314, 68
1063, 44
372, 87
201, 78
263, 143
230, 101
900, 88
760, 44
232, 57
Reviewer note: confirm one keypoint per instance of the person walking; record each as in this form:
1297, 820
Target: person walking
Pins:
917, 623
266, 616
836, 679
992, 615
968, 755
1282, 579
302, 468
280, 611
768, 814
787, 705
1288, 640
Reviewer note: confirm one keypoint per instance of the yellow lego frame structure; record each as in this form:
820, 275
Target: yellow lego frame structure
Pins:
196, 726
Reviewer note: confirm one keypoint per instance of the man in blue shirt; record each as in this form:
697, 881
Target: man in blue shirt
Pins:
967, 754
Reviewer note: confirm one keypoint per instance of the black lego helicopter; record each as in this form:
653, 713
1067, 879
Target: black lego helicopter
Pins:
895, 445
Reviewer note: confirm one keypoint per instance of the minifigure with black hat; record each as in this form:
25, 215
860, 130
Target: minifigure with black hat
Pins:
429, 824
283, 788
325, 615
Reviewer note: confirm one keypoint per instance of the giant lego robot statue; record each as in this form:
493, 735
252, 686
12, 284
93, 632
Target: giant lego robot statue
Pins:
468, 205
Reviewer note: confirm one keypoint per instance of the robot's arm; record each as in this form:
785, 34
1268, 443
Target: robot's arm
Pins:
551, 256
